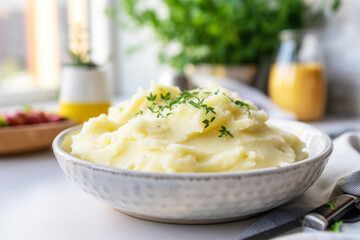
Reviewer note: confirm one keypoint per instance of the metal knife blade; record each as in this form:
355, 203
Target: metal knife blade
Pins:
317, 220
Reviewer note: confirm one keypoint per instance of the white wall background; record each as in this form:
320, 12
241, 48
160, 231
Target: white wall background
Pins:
141, 67
341, 43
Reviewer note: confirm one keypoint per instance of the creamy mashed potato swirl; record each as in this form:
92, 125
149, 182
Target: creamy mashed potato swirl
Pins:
203, 130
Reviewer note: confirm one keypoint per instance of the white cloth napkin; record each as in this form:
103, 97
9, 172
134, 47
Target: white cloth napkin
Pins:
344, 161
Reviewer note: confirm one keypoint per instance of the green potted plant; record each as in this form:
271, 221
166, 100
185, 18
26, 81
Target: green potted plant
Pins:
222, 37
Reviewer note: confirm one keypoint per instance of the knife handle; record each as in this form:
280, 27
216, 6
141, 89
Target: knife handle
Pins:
327, 214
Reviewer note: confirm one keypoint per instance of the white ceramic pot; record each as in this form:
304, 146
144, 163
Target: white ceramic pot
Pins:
83, 85
84, 93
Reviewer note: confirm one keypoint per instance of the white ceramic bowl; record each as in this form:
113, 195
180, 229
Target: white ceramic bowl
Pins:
197, 198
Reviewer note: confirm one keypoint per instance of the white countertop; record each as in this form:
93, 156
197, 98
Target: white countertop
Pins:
38, 202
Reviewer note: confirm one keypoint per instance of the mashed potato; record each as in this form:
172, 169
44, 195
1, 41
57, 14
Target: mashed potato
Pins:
203, 130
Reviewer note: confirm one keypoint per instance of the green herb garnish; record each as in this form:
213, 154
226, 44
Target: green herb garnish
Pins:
242, 104
207, 122
210, 109
151, 97
336, 226
239, 103
151, 108
224, 132
189, 97
158, 111
165, 97
198, 104
139, 113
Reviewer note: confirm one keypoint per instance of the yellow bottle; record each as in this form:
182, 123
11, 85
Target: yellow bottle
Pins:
297, 80
83, 93
299, 88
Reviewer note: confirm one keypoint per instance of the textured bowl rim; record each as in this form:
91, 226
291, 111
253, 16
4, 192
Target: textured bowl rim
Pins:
322, 155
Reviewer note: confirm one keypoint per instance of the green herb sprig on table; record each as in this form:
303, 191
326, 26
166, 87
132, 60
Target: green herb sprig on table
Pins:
336, 227
330, 204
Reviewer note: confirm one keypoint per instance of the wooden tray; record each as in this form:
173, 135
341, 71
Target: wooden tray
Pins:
17, 139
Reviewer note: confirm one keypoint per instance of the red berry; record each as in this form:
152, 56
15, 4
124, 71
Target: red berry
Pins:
15, 119
33, 119
20, 117
55, 118
36, 117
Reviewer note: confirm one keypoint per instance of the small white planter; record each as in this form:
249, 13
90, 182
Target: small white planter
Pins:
84, 93
83, 85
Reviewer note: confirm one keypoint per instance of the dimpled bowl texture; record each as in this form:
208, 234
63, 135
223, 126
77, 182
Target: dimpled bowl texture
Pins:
199, 198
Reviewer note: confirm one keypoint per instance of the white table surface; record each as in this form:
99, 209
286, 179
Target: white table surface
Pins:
38, 202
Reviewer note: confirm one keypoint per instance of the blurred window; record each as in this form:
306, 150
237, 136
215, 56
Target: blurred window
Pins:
34, 43
29, 49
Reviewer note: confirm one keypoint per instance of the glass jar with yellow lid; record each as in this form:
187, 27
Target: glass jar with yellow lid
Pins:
297, 80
